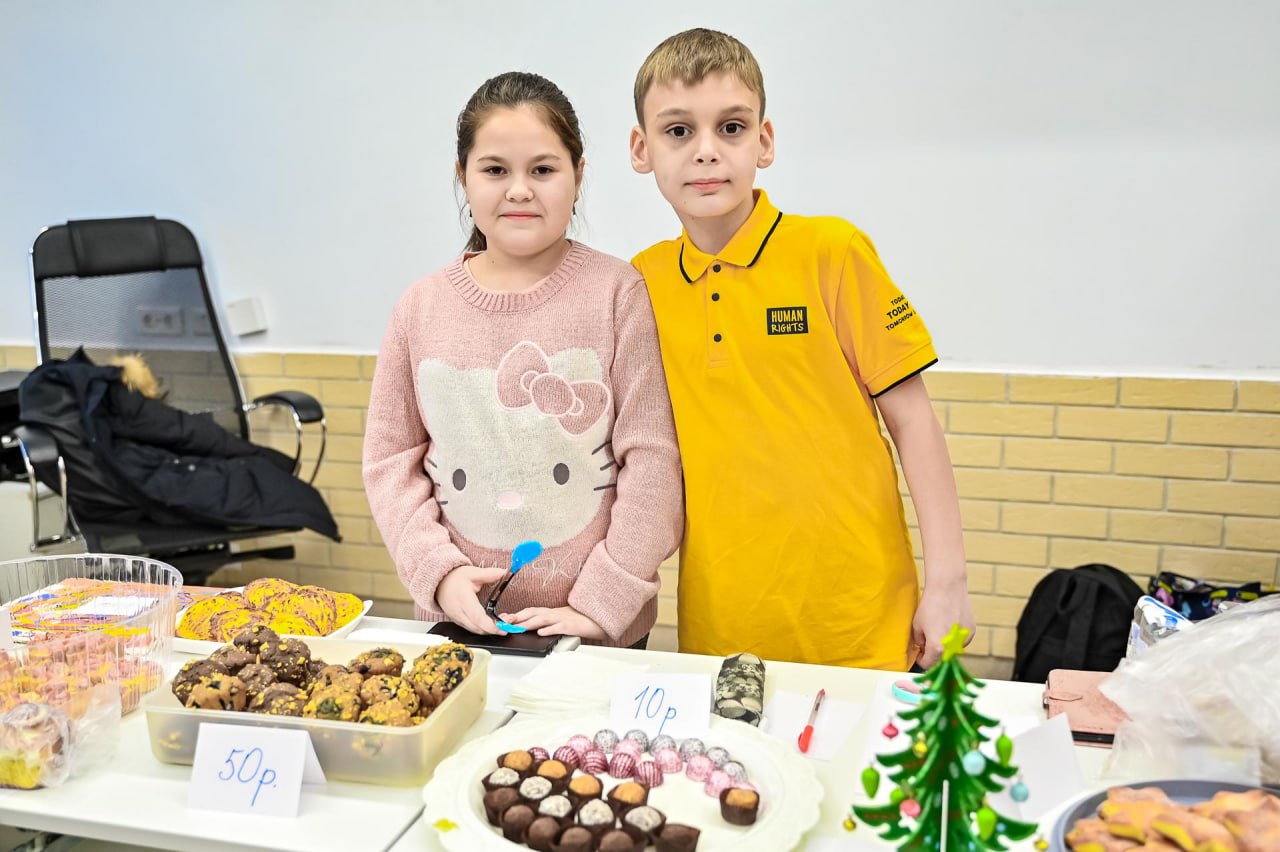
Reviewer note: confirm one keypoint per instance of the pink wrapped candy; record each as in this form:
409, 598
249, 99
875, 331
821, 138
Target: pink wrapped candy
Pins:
539, 754
699, 768
649, 774
567, 755
717, 782
622, 765
668, 760
580, 743
630, 747
593, 762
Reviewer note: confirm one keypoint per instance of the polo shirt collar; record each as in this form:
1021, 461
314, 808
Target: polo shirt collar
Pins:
743, 250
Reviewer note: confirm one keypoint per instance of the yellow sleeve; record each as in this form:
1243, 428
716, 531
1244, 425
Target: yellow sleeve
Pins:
880, 331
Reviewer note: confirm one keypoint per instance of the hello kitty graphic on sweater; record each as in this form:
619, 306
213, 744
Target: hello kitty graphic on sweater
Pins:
496, 418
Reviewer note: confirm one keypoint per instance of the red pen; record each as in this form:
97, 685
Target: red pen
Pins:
806, 736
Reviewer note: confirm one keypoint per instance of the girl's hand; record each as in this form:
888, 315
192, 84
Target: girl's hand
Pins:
941, 606
555, 621
458, 596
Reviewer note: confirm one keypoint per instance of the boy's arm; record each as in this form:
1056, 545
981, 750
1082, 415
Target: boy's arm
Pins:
401, 497
621, 572
926, 464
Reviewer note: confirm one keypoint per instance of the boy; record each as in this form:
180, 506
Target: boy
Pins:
782, 336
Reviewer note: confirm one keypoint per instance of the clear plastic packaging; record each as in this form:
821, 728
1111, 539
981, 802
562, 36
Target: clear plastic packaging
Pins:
84, 620
348, 751
42, 745
1152, 621
1204, 703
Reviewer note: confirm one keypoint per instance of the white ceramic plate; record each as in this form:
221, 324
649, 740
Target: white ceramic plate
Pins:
206, 647
790, 795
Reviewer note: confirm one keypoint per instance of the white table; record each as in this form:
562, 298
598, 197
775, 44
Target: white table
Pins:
839, 777
138, 800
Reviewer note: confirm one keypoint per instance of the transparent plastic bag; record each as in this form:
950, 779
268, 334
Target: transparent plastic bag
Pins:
1204, 703
41, 745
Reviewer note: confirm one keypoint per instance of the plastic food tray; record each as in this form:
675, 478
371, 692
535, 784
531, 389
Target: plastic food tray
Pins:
348, 751
82, 620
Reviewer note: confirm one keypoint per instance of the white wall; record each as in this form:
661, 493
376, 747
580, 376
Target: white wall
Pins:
1079, 184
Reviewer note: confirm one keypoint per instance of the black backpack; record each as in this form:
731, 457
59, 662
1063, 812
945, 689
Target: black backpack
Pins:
1076, 618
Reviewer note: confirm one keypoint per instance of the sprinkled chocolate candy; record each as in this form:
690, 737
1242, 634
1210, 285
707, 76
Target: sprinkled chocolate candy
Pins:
668, 760
699, 768
605, 740
567, 755
638, 737
692, 747
649, 774
622, 766
719, 756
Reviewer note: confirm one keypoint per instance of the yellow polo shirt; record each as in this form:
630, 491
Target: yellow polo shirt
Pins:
795, 543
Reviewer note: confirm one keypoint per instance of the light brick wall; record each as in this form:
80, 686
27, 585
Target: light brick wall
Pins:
1142, 473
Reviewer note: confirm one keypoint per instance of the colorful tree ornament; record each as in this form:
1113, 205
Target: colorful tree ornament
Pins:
1019, 792
945, 730
974, 762
889, 730
1004, 748
910, 808
871, 781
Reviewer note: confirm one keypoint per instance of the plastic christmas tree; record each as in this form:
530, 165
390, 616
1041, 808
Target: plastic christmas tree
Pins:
946, 732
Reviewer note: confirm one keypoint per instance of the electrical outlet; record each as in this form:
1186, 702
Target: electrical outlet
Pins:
200, 325
160, 321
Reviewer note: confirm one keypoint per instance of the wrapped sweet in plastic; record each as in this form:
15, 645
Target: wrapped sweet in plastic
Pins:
42, 746
1204, 702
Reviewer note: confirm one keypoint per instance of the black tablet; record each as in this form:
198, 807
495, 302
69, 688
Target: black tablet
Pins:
525, 644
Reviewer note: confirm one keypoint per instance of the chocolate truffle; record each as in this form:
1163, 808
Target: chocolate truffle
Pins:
627, 795
497, 801
583, 788
501, 777
555, 772
738, 806
618, 841
575, 838
596, 816
542, 833
520, 761
515, 821
675, 837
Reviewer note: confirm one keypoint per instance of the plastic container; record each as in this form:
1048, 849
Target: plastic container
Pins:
83, 620
348, 751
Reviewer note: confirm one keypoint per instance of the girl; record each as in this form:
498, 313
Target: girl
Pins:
519, 394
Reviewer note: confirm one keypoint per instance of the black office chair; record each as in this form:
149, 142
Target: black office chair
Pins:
137, 285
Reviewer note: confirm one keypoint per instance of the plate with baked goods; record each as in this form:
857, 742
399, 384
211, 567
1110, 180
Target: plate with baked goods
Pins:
287, 608
575, 784
377, 714
1173, 815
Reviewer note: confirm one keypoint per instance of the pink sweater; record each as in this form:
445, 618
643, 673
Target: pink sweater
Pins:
496, 418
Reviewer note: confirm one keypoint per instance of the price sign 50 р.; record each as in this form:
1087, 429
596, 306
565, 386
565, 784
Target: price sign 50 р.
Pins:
251, 770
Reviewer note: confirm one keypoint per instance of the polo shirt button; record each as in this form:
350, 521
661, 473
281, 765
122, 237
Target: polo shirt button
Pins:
715, 268
715, 297
716, 338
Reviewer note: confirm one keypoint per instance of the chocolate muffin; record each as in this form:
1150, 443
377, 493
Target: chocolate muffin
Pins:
496, 802
583, 788
393, 714
379, 661
279, 699
336, 675
542, 833
253, 638
192, 673
220, 692
379, 688
334, 704
446, 652
256, 677
434, 684
288, 658
233, 657
738, 806
516, 821
675, 837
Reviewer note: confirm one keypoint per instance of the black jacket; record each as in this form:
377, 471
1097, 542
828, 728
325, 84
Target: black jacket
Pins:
132, 459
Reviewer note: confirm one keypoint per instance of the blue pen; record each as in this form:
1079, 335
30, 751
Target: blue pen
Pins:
525, 552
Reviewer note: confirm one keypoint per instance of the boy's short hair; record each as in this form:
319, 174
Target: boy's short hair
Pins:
692, 55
